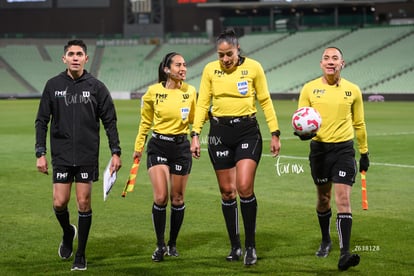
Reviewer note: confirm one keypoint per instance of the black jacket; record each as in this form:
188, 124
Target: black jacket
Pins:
75, 108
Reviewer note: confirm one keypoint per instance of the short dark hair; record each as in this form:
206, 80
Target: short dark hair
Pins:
336, 48
76, 42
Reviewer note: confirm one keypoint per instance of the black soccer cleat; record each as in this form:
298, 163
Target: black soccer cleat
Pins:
235, 254
66, 248
172, 251
79, 263
159, 253
347, 260
324, 250
250, 257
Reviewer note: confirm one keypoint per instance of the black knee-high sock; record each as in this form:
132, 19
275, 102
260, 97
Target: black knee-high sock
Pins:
176, 220
230, 213
63, 218
84, 224
325, 224
344, 226
159, 219
248, 208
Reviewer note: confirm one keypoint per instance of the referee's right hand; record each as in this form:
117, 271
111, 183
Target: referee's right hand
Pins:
305, 137
137, 154
41, 164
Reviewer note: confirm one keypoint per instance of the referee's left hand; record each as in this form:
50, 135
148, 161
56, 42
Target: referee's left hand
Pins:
364, 162
195, 147
275, 146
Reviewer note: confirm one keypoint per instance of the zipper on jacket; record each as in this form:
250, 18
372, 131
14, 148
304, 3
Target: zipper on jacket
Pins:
74, 126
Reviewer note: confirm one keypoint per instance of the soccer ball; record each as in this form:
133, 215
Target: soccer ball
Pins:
306, 120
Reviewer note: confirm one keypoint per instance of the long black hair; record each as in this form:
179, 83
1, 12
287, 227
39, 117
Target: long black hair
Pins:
228, 36
166, 62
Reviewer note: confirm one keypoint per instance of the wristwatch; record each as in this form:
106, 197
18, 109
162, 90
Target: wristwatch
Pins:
276, 133
193, 133
116, 151
40, 154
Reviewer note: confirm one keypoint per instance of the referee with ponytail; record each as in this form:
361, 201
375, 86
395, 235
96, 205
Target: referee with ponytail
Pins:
229, 89
168, 109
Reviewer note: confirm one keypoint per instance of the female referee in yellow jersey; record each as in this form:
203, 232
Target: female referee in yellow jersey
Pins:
168, 108
229, 89
332, 154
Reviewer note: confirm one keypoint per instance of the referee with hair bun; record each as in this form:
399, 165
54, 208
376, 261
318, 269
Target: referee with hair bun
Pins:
168, 109
229, 89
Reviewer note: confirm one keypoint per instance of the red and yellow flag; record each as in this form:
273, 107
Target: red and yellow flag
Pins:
364, 191
129, 186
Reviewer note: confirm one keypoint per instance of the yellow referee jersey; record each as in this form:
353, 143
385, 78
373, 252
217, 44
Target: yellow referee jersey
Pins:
341, 108
166, 111
234, 94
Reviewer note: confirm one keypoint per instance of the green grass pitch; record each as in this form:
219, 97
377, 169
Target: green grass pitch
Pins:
122, 239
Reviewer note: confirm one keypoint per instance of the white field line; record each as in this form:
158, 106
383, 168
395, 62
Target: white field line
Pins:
292, 137
372, 163
306, 158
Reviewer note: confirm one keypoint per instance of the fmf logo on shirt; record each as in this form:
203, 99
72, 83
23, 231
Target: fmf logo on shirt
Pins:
61, 176
60, 94
318, 91
222, 153
161, 159
219, 73
160, 97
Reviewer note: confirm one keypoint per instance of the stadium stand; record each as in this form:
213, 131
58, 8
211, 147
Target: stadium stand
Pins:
360, 45
31, 65
293, 46
378, 59
9, 83
403, 83
126, 68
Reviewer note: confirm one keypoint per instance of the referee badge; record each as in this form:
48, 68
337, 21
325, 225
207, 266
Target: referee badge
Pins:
184, 112
243, 87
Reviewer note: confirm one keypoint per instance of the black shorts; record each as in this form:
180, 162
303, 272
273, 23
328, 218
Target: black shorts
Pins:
69, 174
231, 140
175, 154
333, 162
